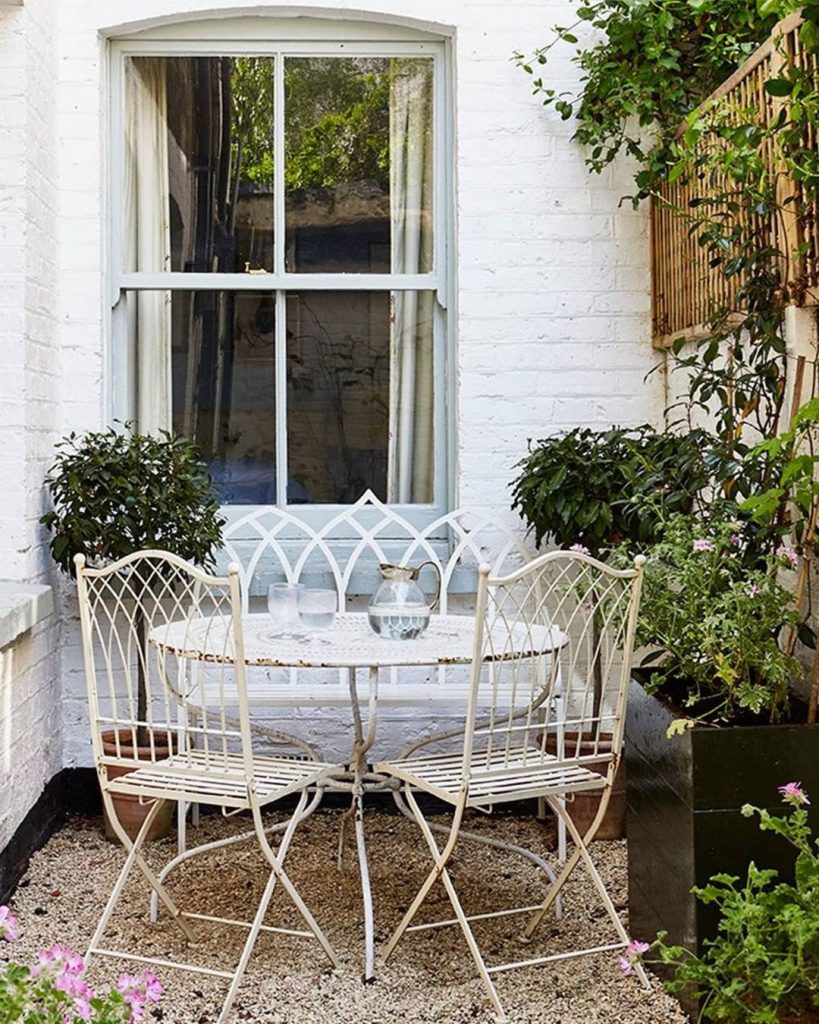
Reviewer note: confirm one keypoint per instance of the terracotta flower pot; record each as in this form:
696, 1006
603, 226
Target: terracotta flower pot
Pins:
130, 812
583, 808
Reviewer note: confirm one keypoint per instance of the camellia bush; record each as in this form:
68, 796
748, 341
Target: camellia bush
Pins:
53, 990
115, 493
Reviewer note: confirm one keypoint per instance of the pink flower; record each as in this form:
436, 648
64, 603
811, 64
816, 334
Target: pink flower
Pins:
735, 539
789, 555
701, 544
792, 793
8, 925
753, 590
637, 948
634, 950
581, 549
137, 990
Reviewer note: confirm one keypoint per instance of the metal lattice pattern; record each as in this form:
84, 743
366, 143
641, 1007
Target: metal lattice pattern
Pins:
273, 544
190, 721
555, 715
163, 730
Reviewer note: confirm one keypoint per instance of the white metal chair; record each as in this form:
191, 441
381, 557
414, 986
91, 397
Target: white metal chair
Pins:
134, 615
505, 755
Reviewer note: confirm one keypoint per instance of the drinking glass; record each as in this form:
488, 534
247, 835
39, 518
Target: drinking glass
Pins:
317, 608
282, 603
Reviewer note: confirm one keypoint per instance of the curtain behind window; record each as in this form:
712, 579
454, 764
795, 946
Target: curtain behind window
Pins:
410, 459
147, 238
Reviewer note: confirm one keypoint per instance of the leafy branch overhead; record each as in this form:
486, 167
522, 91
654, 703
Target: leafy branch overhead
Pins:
646, 67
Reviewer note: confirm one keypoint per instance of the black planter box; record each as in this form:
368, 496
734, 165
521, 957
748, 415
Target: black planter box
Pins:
684, 824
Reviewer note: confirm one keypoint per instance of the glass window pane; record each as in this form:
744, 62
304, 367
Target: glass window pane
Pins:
358, 164
205, 367
360, 389
198, 164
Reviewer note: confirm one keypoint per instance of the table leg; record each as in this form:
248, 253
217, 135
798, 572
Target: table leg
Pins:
361, 746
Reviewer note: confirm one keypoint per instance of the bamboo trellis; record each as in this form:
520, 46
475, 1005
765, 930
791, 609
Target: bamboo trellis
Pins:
685, 287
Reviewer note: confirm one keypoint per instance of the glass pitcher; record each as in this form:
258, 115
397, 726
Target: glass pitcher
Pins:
399, 609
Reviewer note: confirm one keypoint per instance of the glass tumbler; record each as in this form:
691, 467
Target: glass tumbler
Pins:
283, 605
317, 608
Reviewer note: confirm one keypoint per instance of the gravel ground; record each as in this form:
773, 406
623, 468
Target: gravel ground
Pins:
430, 977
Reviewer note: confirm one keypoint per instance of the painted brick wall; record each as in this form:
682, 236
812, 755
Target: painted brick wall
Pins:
552, 303
30, 388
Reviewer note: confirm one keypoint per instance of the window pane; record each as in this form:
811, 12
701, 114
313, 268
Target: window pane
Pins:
358, 164
204, 364
198, 164
360, 395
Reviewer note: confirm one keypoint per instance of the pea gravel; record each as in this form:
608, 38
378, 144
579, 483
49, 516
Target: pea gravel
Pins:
430, 977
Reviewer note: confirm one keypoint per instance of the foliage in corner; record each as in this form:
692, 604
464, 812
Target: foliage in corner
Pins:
115, 493
646, 67
713, 610
585, 486
763, 965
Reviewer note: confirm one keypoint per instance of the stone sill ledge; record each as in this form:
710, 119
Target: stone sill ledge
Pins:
22, 605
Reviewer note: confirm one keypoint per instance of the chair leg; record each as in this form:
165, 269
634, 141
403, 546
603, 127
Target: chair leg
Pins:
261, 912
581, 845
441, 857
133, 858
558, 805
275, 862
440, 860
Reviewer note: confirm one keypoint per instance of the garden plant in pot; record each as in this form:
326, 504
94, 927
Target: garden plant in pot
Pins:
114, 493
582, 490
727, 596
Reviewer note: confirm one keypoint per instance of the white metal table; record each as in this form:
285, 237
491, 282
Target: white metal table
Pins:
352, 645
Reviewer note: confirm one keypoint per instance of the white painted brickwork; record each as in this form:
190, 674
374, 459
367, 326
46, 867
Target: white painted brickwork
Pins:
552, 306
31, 386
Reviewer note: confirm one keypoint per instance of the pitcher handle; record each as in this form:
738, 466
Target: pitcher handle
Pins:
437, 569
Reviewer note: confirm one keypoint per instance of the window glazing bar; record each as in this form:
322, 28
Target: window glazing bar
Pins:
271, 282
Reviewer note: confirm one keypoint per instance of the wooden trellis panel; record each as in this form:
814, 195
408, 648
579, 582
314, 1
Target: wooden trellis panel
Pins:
685, 288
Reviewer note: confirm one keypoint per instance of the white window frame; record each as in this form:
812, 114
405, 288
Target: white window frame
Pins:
280, 37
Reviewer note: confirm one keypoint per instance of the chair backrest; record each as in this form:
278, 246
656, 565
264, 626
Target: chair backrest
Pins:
138, 616
553, 651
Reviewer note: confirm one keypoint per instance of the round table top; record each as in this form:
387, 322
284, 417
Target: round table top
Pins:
350, 643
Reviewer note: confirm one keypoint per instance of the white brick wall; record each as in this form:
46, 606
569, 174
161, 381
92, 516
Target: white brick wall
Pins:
30, 388
552, 305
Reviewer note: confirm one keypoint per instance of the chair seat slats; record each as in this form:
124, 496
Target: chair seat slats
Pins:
217, 778
514, 775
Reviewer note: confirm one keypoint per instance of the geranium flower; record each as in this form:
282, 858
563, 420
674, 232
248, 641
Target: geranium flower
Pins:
8, 925
137, 990
701, 544
790, 556
581, 549
792, 793
753, 590
634, 950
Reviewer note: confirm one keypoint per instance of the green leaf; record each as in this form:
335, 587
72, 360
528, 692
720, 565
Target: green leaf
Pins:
779, 87
680, 726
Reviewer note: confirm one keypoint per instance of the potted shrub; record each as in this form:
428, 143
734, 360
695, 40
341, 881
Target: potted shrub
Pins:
715, 721
115, 493
585, 488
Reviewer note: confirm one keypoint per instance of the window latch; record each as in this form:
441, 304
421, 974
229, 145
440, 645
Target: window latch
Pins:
255, 270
